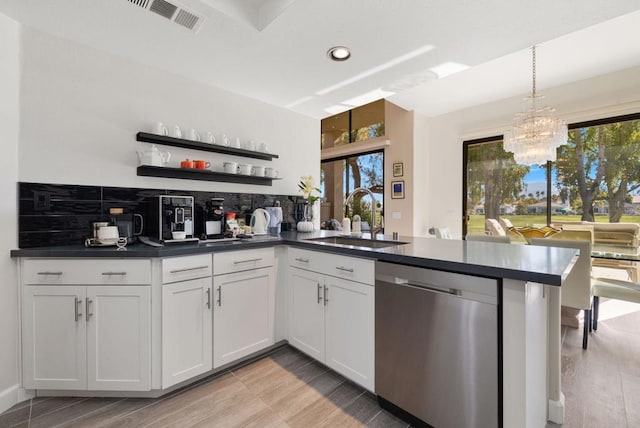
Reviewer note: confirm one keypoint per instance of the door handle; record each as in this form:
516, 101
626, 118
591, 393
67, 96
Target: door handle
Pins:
301, 260
188, 269
50, 273
76, 303
114, 273
209, 298
237, 262
319, 293
220, 295
344, 269
89, 313
326, 295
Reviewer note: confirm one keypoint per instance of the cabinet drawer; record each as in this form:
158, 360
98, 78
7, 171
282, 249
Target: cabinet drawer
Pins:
86, 271
238, 261
352, 268
183, 268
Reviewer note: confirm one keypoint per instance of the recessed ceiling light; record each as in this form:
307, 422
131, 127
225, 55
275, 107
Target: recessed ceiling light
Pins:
339, 53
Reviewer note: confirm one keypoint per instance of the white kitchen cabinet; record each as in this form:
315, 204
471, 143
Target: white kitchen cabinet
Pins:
306, 326
186, 318
54, 337
244, 304
93, 337
349, 325
331, 316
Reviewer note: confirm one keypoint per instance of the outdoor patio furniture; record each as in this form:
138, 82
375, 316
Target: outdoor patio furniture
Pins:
489, 238
494, 227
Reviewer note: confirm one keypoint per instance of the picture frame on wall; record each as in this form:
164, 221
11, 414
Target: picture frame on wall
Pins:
397, 189
398, 169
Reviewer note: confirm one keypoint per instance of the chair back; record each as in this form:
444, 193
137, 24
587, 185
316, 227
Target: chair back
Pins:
443, 233
494, 228
506, 223
616, 233
584, 233
489, 238
575, 291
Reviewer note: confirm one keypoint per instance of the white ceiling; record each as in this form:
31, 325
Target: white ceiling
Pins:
275, 50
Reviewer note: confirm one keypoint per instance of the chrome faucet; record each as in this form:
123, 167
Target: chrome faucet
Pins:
374, 228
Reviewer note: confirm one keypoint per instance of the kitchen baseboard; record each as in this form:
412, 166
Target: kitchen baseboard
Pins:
556, 410
12, 396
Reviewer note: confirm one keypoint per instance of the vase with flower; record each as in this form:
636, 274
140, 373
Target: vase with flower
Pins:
307, 187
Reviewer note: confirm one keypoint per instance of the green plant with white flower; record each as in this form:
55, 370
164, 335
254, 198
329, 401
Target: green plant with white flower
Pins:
306, 186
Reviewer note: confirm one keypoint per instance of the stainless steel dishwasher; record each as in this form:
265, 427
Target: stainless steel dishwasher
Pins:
437, 354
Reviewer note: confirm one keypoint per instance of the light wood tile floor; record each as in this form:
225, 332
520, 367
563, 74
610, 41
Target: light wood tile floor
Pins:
288, 389
283, 389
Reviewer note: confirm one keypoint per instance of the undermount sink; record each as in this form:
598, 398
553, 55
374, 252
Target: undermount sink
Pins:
356, 242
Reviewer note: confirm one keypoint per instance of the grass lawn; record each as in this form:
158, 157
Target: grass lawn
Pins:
476, 222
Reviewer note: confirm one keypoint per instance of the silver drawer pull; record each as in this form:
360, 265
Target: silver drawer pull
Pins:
300, 259
220, 295
326, 295
247, 261
114, 273
208, 298
50, 273
188, 269
89, 313
76, 304
319, 292
344, 269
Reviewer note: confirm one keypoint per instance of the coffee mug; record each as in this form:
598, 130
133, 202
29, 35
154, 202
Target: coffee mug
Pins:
187, 164
249, 145
245, 169
177, 132
224, 140
108, 234
201, 164
230, 167
262, 147
258, 171
236, 143
271, 172
211, 139
160, 129
193, 135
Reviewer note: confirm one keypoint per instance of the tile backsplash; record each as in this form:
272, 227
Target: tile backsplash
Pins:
60, 214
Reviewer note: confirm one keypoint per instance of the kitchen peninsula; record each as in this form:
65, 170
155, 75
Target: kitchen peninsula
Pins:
523, 303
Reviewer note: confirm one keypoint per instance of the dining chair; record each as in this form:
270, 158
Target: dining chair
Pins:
489, 238
623, 234
443, 233
494, 227
576, 290
613, 289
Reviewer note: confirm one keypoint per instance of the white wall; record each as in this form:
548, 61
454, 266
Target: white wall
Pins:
604, 96
9, 126
81, 109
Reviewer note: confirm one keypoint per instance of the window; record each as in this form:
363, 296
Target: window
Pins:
596, 178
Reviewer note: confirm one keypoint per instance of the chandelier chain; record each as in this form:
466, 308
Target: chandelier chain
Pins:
534, 70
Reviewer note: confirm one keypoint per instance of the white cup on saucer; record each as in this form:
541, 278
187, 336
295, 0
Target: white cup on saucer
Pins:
258, 171
193, 135
160, 129
176, 132
245, 169
271, 172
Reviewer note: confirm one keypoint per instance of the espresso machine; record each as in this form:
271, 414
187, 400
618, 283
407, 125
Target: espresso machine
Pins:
214, 219
168, 214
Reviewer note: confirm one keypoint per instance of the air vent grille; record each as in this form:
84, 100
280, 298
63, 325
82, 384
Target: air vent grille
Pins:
163, 8
186, 19
141, 3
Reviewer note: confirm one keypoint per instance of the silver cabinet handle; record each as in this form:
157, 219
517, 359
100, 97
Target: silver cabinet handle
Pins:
188, 269
114, 273
301, 260
247, 261
344, 269
220, 295
50, 273
77, 302
326, 295
319, 293
208, 298
89, 313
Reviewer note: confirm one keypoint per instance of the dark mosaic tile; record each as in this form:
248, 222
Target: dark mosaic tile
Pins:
38, 223
45, 239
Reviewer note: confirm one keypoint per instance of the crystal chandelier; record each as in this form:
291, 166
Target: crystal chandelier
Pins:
535, 134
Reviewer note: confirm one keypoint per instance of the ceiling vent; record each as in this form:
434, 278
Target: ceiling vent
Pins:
173, 11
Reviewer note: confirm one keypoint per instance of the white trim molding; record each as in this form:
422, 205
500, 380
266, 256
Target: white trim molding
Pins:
556, 410
354, 148
12, 396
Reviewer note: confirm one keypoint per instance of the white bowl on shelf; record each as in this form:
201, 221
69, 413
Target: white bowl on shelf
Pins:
179, 235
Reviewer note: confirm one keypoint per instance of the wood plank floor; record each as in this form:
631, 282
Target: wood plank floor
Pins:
289, 389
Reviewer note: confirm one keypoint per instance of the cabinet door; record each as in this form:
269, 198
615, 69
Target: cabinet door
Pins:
243, 314
118, 338
186, 330
306, 312
350, 330
54, 337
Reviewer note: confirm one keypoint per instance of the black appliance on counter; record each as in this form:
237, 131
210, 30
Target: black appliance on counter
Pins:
168, 214
213, 219
130, 225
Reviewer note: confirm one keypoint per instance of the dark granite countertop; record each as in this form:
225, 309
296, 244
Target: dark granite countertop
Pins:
519, 262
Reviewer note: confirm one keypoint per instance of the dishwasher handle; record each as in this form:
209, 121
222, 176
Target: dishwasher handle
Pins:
423, 286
